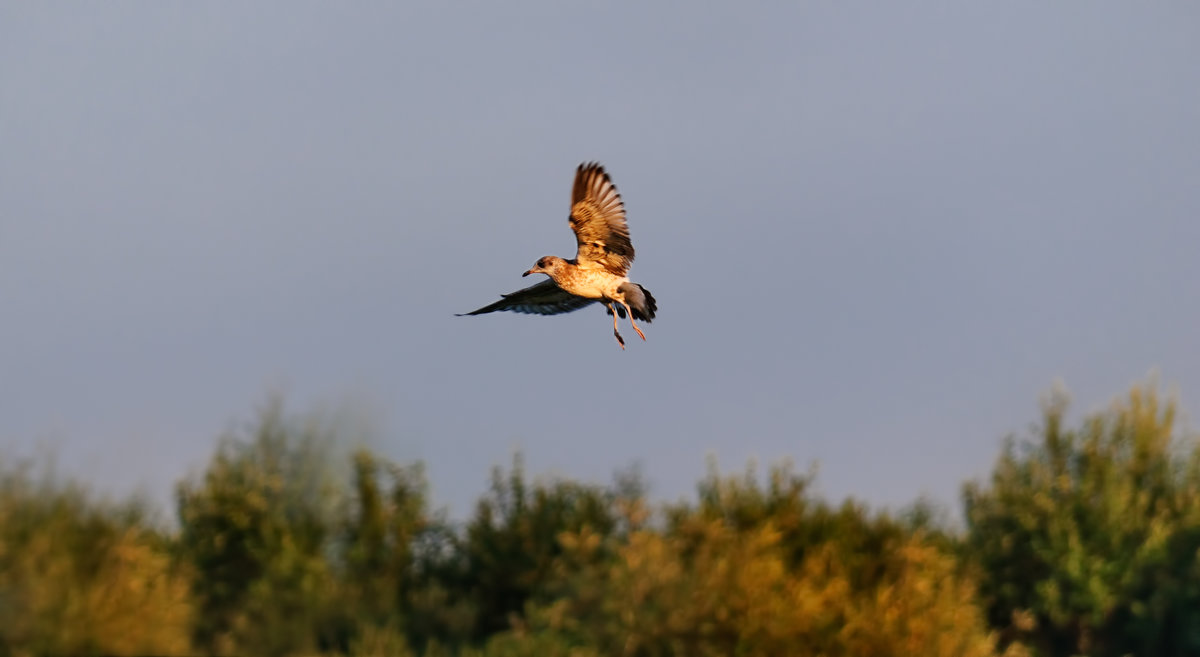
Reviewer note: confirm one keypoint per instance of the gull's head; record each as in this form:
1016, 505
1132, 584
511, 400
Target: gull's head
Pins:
545, 265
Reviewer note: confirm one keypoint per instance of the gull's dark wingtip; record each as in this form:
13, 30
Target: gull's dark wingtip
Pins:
490, 308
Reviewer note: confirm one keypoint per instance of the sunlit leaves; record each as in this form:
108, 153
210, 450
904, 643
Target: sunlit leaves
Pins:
81, 577
725, 579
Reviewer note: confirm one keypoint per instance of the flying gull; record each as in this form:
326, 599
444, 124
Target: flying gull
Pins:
600, 267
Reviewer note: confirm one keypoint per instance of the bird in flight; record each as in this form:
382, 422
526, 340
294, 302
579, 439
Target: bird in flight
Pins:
599, 271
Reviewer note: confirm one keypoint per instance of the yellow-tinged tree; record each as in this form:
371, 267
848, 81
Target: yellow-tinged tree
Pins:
85, 578
732, 583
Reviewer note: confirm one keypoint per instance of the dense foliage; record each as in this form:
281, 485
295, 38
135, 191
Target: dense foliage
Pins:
1089, 538
1084, 540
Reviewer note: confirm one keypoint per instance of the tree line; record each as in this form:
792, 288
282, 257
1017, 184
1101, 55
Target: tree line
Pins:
1083, 540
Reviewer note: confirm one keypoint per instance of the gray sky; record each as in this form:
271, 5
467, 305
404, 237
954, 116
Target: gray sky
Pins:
877, 232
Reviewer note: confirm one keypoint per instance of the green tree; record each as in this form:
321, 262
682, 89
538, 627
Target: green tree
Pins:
380, 532
389, 542
256, 529
511, 544
1088, 539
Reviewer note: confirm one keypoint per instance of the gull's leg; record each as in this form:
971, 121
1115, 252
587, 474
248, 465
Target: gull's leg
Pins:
620, 340
631, 322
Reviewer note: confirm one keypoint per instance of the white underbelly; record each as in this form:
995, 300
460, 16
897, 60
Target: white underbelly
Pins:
592, 290
591, 287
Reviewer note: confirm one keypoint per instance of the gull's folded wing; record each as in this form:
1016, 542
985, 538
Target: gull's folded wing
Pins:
545, 298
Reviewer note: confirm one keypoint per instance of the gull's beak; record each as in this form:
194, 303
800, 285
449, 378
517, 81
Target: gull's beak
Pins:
527, 273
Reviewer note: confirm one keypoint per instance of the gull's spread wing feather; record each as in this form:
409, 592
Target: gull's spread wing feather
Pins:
598, 219
545, 298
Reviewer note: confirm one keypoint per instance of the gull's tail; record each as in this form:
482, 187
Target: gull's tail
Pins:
640, 300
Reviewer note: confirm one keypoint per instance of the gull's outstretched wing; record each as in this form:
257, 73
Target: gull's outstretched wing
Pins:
545, 298
598, 219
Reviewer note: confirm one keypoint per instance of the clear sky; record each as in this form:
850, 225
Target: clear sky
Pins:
877, 232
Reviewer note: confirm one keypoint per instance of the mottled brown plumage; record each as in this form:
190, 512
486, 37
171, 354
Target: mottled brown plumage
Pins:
602, 259
598, 219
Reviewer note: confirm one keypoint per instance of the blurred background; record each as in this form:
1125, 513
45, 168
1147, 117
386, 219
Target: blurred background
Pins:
877, 234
